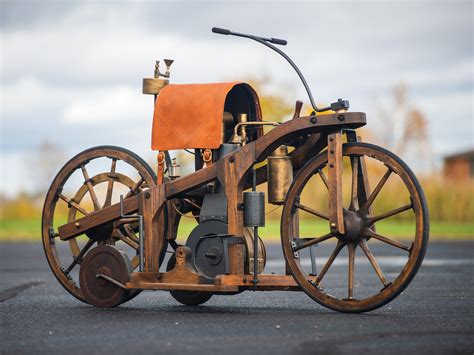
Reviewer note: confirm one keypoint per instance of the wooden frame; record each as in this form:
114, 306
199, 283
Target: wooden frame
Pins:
231, 171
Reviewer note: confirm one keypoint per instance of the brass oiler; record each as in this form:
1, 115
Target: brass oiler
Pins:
280, 175
153, 86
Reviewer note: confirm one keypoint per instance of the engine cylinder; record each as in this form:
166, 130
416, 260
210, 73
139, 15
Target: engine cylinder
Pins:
254, 209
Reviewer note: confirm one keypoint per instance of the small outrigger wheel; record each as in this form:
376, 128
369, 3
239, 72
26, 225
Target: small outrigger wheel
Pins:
366, 282
188, 298
82, 186
104, 271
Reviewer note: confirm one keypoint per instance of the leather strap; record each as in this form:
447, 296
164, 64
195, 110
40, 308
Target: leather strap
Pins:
161, 168
207, 157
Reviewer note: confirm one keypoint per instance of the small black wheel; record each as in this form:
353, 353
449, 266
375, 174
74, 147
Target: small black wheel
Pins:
188, 298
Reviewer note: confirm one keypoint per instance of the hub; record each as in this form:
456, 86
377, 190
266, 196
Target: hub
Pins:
354, 226
101, 233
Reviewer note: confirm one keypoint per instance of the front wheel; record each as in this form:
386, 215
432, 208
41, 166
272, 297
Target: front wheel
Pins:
348, 282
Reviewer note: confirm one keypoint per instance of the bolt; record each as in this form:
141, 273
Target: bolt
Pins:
333, 225
341, 118
147, 195
313, 120
331, 165
331, 139
332, 151
78, 225
232, 159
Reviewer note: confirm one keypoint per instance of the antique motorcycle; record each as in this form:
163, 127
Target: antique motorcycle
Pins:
106, 234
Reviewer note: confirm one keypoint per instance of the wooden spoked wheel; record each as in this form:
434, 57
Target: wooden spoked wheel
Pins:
81, 187
343, 280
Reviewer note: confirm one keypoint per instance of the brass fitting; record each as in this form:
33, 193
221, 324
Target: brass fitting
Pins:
153, 86
240, 138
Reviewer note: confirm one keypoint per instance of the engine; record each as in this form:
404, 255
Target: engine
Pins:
209, 240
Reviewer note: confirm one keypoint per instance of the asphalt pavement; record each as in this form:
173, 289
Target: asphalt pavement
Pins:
435, 315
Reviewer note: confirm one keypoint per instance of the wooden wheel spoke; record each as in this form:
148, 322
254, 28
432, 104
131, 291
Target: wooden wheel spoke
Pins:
312, 211
313, 241
78, 259
376, 191
373, 262
399, 245
134, 189
118, 234
390, 213
130, 232
90, 187
324, 178
350, 284
329, 262
110, 186
354, 205
73, 204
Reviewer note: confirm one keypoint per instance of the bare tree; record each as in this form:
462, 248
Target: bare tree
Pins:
405, 130
44, 165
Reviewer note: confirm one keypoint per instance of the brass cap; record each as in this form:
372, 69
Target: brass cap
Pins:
281, 151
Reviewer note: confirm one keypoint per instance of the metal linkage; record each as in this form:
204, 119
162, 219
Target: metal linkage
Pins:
110, 279
140, 232
255, 234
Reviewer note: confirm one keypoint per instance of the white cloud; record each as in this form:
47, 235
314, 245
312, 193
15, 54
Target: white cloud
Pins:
105, 105
82, 68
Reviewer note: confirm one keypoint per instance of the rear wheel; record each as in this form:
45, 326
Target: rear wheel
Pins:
351, 283
91, 181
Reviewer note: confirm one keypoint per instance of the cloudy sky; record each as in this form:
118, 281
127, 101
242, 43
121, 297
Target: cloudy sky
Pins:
71, 71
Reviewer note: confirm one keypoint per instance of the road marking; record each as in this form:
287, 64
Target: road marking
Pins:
12, 292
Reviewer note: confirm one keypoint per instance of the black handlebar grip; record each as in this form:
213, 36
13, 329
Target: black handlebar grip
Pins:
221, 31
279, 41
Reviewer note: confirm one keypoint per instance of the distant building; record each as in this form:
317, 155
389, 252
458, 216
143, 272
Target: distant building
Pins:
459, 167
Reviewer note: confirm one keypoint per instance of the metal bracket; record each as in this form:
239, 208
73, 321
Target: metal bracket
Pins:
140, 232
339, 105
295, 253
51, 235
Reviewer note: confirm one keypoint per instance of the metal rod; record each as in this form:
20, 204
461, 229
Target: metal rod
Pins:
108, 278
140, 233
313, 261
255, 235
226, 255
140, 238
77, 259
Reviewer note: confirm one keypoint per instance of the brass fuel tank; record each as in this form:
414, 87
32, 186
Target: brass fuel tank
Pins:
280, 175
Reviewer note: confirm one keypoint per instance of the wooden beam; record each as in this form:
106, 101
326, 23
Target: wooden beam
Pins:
151, 205
94, 219
336, 218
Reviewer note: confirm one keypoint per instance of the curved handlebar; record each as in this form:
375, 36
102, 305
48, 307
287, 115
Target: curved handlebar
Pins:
226, 32
339, 105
